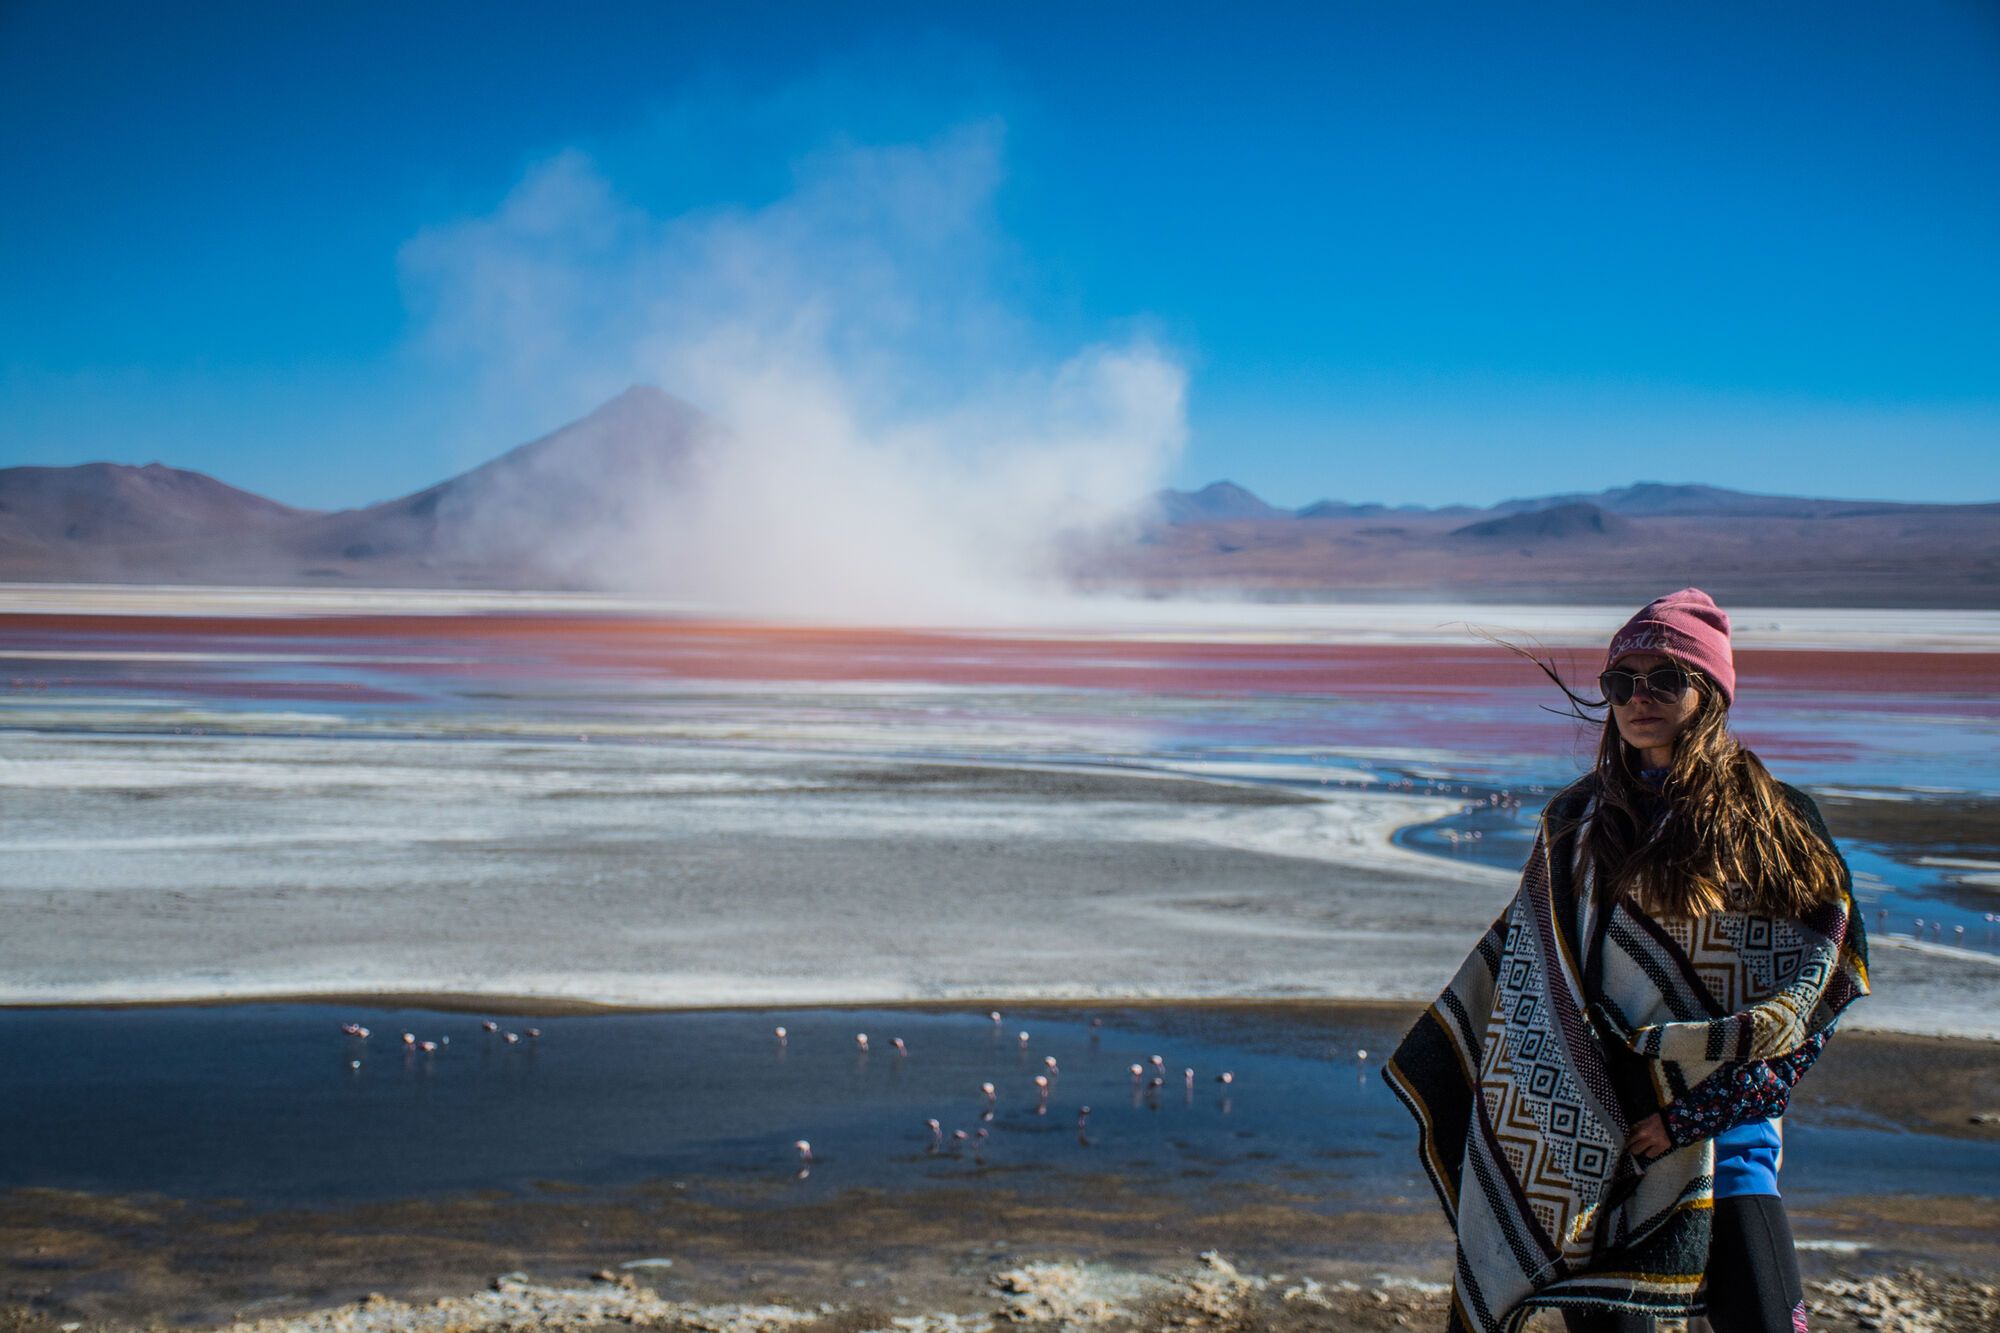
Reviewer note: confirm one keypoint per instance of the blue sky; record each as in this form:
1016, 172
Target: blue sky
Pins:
1404, 252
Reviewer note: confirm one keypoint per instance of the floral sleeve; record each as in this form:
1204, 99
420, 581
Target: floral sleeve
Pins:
1739, 1093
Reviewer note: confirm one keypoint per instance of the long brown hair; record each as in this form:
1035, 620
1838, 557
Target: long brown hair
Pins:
1727, 822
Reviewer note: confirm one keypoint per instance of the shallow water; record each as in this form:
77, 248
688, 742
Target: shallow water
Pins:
1912, 901
273, 1105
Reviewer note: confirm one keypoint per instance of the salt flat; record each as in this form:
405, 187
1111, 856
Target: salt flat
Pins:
149, 868
182, 867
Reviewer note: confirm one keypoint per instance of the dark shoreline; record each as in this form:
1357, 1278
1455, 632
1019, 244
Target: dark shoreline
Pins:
149, 1261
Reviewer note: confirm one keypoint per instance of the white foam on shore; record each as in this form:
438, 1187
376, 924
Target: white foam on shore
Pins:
1250, 769
1965, 870
1935, 949
161, 776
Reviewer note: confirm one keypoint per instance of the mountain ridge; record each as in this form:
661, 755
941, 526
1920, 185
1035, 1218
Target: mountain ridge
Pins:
1641, 498
560, 510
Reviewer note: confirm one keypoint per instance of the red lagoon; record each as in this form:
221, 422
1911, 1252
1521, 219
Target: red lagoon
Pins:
746, 651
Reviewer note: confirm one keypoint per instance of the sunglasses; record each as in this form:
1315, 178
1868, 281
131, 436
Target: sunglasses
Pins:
1664, 684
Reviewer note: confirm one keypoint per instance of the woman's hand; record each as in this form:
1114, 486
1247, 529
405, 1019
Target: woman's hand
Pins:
1648, 1139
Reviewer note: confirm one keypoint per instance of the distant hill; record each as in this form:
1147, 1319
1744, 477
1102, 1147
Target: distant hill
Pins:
1556, 523
567, 492
111, 503
109, 522
1653, 498
1217, 500
1338, 509
562, 510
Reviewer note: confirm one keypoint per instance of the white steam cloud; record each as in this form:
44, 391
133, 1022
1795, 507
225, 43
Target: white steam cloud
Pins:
896, 442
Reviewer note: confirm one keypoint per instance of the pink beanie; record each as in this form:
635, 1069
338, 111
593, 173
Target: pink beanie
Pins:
1686, 625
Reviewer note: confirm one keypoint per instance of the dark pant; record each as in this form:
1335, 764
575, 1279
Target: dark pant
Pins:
1753, 1275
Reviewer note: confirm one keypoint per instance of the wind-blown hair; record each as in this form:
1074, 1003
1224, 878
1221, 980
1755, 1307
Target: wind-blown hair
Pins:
1727, 822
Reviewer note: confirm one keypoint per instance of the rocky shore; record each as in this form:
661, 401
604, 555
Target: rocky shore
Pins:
1209, 1292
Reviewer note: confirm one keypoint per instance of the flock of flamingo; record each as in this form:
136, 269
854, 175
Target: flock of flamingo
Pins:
1147, 1079
1937, 928
411, 1045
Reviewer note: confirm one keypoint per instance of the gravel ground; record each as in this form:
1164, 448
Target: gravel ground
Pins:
1208, 1293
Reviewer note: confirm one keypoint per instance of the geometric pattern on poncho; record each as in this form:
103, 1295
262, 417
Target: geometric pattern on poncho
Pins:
1740, 957
1561, 1156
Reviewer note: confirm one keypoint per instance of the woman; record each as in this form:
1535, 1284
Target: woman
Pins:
1595, 1089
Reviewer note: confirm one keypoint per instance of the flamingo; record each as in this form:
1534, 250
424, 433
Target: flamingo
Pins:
805, 1150
1189, 1077
1042, 1083
1024, 1036
861, 1040
512, 1038
957, 1137
1137, 1071
428, 1047
490, 1026
1050, 1061
1225, 1077
987, 1088
534, 1032
780, 1032
995, 1016
900, 1048
937, 1131
409, 1039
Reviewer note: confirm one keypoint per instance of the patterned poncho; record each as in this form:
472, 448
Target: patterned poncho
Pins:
1518, 1102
